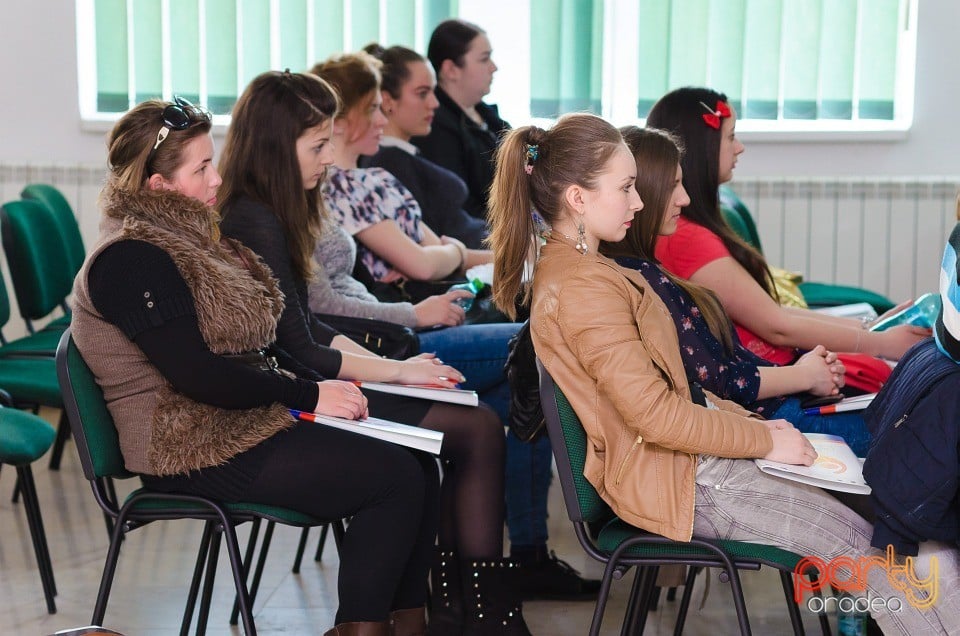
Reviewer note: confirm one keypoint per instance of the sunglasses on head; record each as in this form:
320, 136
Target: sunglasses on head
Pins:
178, 116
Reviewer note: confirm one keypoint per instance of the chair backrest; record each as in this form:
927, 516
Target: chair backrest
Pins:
38, 265
738, 217
65, 218
90, 421
569, 443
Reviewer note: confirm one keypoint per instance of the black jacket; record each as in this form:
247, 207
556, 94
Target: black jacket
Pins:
913, 464
458, 144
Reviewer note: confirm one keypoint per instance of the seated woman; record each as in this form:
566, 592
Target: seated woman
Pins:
167, 315
409, 104
277, 150
706, 251
712, 354
665, 460
370, 203
467, 130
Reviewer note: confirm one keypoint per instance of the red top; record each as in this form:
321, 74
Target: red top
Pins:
691, 247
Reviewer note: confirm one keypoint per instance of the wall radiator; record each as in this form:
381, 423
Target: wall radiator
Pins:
883, 234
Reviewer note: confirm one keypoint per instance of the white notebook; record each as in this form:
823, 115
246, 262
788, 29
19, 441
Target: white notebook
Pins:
836, 467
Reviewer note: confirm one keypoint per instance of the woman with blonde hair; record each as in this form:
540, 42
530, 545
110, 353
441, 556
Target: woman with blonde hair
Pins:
667, 458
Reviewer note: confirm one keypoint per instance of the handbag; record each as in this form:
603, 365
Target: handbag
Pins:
525, 413
383, 338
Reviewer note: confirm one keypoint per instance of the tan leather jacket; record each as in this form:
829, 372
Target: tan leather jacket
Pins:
612, 348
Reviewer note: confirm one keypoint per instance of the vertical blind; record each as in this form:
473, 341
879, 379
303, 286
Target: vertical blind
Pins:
775, 59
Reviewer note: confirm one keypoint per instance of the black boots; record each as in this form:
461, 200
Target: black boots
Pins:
474, 598
446, 606
542, 576
491, 604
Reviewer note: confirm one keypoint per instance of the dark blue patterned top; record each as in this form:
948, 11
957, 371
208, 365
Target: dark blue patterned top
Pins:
734, 376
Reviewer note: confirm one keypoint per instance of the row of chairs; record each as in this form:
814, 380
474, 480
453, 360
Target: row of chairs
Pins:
44, 250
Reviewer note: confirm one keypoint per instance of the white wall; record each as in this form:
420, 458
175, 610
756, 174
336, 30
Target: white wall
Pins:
40, 124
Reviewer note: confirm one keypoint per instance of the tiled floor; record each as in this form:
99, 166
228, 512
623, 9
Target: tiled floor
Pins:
157, 561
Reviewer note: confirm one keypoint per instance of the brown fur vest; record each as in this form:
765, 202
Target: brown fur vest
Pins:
238, 303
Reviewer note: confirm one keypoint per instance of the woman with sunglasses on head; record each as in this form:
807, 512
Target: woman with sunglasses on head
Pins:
277, 150
410, 104
713, 357
665, 457
370, 203
174, 321
706, 251
466, 130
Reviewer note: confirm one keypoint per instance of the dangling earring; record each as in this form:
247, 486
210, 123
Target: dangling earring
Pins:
581, 238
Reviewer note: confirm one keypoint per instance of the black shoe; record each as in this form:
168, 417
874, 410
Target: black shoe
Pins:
553, 579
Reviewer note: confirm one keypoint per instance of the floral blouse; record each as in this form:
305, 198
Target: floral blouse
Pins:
362, 197
733, 376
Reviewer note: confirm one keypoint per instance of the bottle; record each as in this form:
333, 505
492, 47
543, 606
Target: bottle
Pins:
922, 313
850, 620
473, 286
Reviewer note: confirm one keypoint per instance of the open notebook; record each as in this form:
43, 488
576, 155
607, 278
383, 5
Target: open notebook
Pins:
836, 468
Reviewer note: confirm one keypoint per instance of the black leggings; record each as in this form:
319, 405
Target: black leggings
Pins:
390, 493
471, 509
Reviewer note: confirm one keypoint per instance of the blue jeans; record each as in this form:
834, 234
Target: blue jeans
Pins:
849, 426
479, 352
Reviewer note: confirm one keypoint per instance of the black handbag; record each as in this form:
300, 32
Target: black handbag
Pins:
386, 339
525, 411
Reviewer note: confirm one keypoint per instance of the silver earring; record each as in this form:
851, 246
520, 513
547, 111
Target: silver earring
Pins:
581, 239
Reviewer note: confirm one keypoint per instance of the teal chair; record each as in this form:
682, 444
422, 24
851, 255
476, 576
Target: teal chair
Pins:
41, 344
24, 438
738, 217
99, 449
39, 268
620, 546
66, 220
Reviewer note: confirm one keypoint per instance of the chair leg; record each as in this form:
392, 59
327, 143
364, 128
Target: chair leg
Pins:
324, 531
63, 432
786, 579
602, 596
211, 573
646, 593
692, 572
733, 577
109, 569
236, 565
822, 614
302, 547
35, 521
197, 576
258, 572
111, 491
632, 615
247, 561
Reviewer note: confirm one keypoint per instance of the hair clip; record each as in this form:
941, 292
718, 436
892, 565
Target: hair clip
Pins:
533, 153
712, 116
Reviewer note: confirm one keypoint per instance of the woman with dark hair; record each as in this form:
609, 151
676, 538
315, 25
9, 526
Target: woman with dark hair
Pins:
173, 320
466, 130
706, 251
713, 357
277, 150
409, 104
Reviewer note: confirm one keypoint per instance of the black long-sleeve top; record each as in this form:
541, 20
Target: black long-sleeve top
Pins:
299, 333
168, 332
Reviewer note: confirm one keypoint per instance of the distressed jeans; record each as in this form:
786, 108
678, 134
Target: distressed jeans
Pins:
734, 500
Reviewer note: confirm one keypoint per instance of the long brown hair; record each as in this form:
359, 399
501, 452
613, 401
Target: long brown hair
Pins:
681, 112
658, 153
131, 156
259, 159
574, 152
356, 78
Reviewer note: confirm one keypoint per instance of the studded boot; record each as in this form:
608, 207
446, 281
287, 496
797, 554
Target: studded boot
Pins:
491, 603
446, 606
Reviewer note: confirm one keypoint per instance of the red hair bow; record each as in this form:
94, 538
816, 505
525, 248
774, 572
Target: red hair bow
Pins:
712, 116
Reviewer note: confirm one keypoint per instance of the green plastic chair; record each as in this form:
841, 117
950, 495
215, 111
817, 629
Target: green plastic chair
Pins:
57, 204
39, 267
24, 438
738, 217
99, 448
620, 545
41, 344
